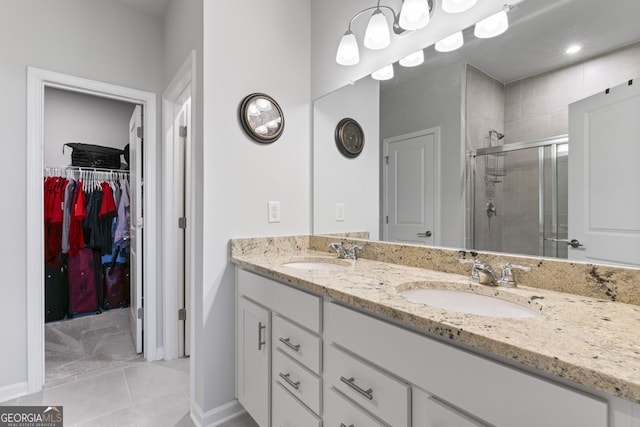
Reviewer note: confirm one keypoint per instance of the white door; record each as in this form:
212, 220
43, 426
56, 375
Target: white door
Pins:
410, 188
604, 177
182, 154
136, 184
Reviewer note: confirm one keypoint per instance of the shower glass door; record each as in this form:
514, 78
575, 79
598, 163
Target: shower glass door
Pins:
525, 210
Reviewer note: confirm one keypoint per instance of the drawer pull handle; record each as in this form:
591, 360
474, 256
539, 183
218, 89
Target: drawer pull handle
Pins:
351, 383
287, 342
261, 328
294, 384
344, 425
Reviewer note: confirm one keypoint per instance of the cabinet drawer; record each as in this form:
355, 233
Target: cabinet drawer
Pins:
300, 382
298, 343
292, 303
428, 411
339, 411
288, 412
376, 391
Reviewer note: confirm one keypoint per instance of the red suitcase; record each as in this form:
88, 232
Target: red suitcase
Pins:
116, 286
85, 290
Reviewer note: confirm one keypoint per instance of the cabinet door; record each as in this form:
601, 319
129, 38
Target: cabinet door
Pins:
254, 360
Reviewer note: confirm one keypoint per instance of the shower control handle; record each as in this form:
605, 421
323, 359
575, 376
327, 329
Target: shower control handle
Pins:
425, 234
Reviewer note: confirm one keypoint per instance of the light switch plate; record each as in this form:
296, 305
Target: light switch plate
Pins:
339, 211
274, 212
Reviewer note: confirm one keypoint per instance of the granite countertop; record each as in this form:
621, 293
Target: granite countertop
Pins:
590, 341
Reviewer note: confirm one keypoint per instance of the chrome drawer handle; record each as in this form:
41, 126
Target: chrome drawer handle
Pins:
351, 383
293, 384
344, 425
287, 342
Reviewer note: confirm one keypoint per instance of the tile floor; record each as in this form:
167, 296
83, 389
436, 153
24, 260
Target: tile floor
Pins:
93, 371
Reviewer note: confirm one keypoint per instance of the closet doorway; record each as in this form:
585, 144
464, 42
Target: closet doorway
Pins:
143, 169
93, 273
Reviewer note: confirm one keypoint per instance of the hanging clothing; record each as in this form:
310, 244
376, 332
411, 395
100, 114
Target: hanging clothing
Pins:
54, 188
78, 213
121, 233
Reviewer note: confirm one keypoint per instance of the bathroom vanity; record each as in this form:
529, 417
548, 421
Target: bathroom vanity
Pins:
334, 342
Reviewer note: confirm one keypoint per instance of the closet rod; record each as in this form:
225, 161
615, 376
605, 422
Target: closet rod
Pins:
86, 168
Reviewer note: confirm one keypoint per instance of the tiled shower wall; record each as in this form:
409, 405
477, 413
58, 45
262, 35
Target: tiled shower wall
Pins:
484, 111
535, 107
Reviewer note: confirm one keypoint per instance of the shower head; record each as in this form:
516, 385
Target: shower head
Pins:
498, 134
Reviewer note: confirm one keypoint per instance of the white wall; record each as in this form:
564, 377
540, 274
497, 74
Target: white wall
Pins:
338, 179
430, 100
330, 19
97, 40
76, 117
270, 54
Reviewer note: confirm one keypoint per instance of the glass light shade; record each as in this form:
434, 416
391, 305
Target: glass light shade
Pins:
457, 6
384, 73
414, 14
263, 104
451, 43
253, 110
377, 35
348, 52
492, 26
262, 130
413, 60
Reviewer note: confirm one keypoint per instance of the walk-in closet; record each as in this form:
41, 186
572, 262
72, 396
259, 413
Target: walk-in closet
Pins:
89, 202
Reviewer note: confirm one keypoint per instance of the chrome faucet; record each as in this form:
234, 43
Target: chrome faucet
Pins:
482, 273
346, 253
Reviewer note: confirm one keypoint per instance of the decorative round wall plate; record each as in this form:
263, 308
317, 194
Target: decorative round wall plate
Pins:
261, 118
349, 137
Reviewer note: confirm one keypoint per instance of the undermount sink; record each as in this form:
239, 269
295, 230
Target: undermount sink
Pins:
469, 303
317, 264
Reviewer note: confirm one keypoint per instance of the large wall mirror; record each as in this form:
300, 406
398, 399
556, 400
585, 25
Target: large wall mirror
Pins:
485, 147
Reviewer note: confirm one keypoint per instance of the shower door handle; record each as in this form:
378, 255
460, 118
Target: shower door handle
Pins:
425, 234
574, 243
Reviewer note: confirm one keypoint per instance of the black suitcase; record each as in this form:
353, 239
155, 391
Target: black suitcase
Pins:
56, 292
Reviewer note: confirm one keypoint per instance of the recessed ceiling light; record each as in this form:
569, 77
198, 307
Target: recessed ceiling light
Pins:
573, 49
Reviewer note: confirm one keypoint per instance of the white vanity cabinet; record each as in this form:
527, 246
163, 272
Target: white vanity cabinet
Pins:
303, 361
459, 385
279, 366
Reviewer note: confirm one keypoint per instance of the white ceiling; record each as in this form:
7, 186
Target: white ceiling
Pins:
539, 33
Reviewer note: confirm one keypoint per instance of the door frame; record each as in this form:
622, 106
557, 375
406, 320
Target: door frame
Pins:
385, 179
170, 103
37, 80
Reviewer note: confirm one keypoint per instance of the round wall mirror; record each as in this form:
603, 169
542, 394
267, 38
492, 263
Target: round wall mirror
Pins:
261, 118
349, 137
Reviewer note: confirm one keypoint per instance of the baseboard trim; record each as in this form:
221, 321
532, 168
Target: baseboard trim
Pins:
216, 417
14, 391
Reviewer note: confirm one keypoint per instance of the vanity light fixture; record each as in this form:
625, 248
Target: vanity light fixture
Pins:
492, 26
451, 43
414, 14
457, 6
413, 60
573, 49
384, 73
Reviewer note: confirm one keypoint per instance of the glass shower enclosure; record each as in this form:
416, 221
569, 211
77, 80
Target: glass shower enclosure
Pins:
518, 197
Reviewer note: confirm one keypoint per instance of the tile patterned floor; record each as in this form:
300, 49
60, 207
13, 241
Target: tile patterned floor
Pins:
92, 370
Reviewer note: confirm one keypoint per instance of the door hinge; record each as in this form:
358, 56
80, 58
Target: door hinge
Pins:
139, 132
387, 219
182, 131
386, 160
182, 223
182, 314
141, 313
